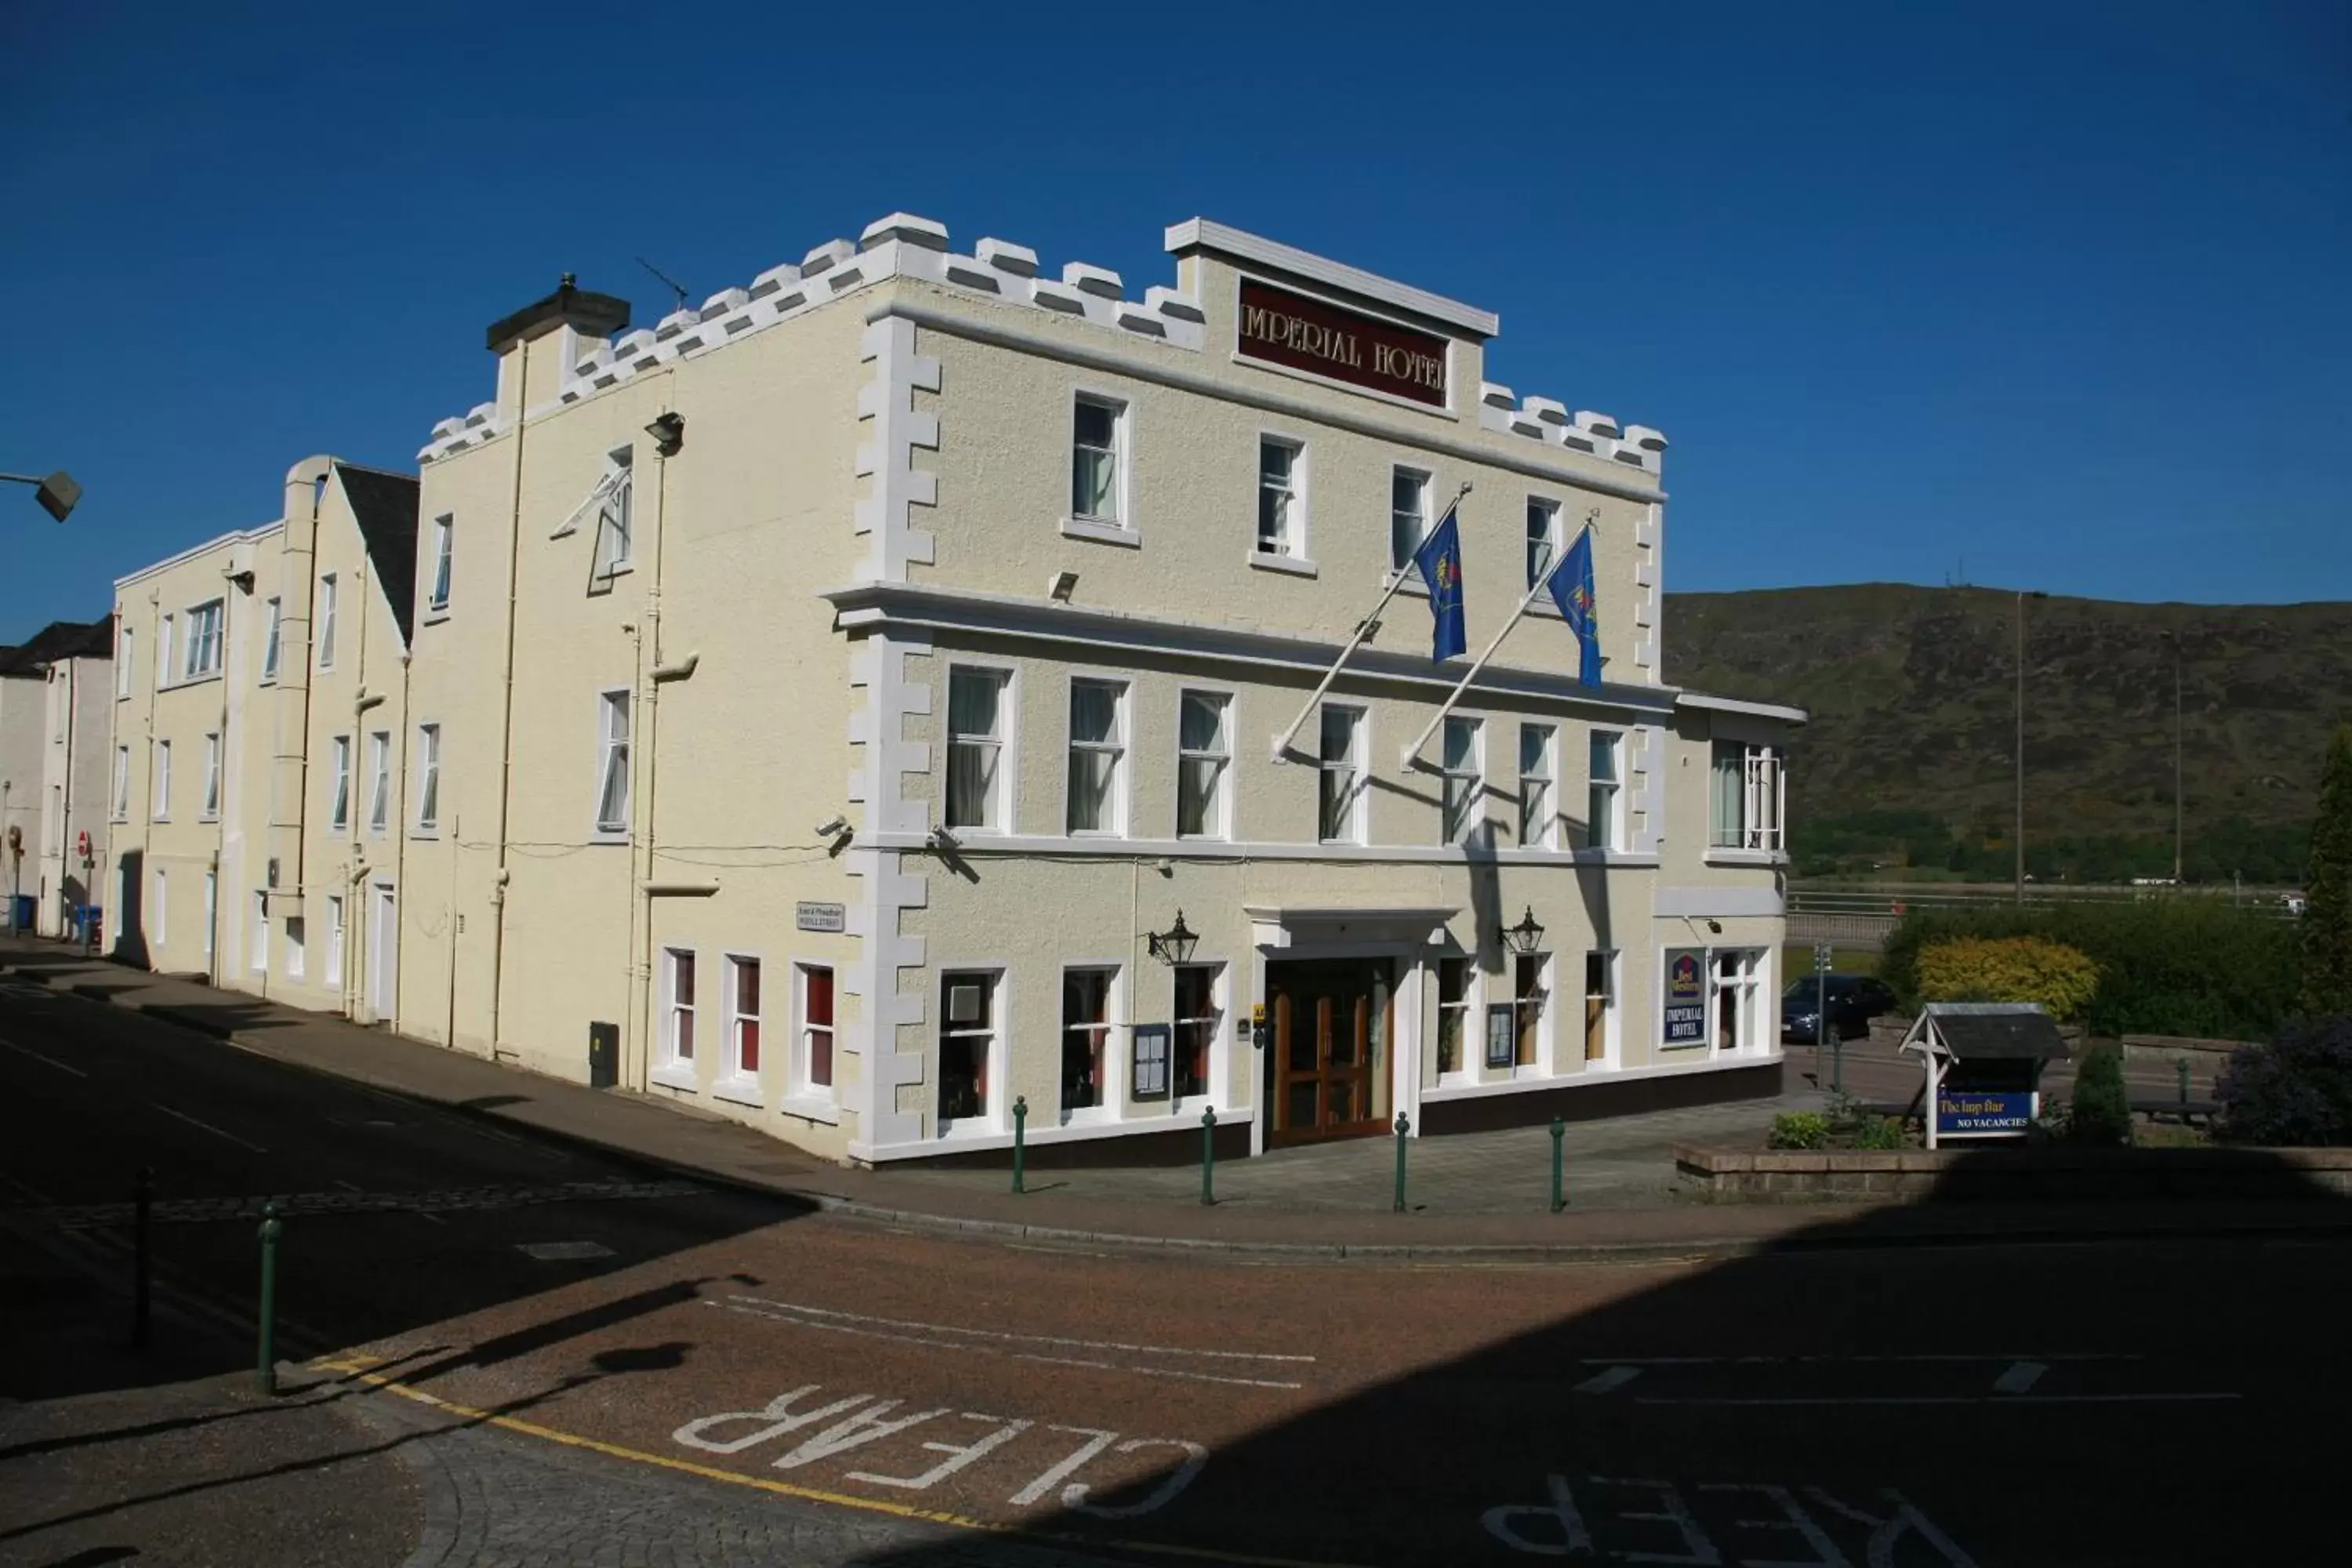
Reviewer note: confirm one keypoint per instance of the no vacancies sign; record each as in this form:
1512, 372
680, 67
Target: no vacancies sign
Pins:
1286, 328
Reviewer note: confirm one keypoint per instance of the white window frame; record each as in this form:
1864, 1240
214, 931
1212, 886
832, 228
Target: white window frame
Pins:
122, 812
1763, 799
207, 639
1422, 480
1547, 510
1119, 526
334, 970
379, 781
296, 933
1355, 828
734, 1081
1472, 1060
671, 1068
339, 784
1545, 1051
445, 544
1539, 802
1748, 989
325, 630
273, 621
1004, 798
1117, 748
1295, 554
1218, 1084
125, 655
1112, 1033
212, 912
429, 773
1609, 792
1458, 821
997, 1106
807, 1097
1612, 975
1220, 822
163, 652
259, 955
615, 551
616, 699
160, 765
210, 806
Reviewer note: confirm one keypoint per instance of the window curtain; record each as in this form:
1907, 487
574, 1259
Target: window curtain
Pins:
1728, 795
971, 749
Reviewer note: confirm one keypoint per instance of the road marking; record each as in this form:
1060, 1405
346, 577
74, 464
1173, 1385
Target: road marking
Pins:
562, 1251
1940, 1399
1026, 1339
938, 1344
61, 1067
1615, 1377
358, 1369
2020, 1376
1811, 1359
183, 1116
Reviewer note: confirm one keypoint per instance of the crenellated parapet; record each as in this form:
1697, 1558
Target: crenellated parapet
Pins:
1543, 419
899, 246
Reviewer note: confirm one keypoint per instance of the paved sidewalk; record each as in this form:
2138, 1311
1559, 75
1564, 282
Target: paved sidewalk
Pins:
1485, 1193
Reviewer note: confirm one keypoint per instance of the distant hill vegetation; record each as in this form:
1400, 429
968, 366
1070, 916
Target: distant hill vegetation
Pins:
1910, 758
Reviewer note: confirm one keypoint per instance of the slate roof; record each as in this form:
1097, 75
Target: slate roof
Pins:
1999, 1031
385, 506
59, 640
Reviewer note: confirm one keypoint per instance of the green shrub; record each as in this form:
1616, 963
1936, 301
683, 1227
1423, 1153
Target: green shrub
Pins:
2008, 969
1878, 1132
2295, 1092
2102, 1110
2178, 965
1799, 1129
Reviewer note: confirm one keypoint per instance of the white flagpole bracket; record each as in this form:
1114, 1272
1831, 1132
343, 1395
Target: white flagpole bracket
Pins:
1363, 634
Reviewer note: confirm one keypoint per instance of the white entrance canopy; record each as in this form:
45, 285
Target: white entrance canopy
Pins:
1276, 926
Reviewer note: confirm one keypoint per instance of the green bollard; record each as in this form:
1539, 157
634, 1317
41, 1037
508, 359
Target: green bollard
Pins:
1558, 1167
265, 1371
1020, 1133
1403, 1126
2180, 1065
1208, 1156
1837, 1057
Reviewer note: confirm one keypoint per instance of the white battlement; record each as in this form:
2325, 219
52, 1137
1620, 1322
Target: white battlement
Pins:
901, 244
1549, 420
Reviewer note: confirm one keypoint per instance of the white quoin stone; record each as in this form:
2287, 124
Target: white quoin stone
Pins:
905, 228
1006, 257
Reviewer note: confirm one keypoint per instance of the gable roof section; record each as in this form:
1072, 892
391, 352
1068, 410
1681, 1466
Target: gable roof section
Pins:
385, 506
59, 640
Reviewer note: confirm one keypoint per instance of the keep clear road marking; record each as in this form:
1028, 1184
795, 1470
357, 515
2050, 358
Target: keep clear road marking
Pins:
208, 1127
946, 1336
61, 1067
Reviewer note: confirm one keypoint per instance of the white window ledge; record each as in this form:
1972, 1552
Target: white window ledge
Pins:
1296, 565
739, 1089
1720, 856
425, 832
811, 1108
434, 618
1410, 585
676, 1075
608, 835
1101, 532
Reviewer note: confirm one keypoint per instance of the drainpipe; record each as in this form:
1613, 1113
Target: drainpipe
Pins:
661, 676
147, 813
362, 702
506, 725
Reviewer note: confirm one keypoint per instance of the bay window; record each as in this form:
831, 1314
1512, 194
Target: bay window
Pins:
1748, 797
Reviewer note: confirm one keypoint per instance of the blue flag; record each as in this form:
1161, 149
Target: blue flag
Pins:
1571, 590
1440, 560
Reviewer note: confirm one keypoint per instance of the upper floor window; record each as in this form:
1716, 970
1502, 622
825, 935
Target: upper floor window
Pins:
1339, 804
1543, 537
121, 783
379, 780
1098, 443
616, 517
1748, 797
211, 776
203, 640
1281, 497
162, 754
1536, 769
163, 652
123, 655
444, 542
1602, 827
975, 748
273, 629
613, 770
1462, 767
339, 783
1203, 759
1408, 515
1098, 756
428, 776
327, 621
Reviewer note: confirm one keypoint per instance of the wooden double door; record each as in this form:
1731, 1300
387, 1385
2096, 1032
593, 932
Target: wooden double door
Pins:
1331, 1068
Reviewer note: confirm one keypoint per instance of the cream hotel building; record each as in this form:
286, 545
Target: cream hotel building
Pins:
854, 707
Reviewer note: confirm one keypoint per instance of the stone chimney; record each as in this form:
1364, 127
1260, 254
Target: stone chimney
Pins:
539, 342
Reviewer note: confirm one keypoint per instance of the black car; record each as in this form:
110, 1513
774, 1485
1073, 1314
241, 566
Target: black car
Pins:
1855, 1001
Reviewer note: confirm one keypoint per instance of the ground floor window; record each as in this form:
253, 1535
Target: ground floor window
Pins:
1527, 1006
1199, 1023
816, 1028
1453, 1012
967, 1040
1086, 1038
1596, 1000
294, 936
1738, 975
743, 1020
679, 1039
260, 933
334, 940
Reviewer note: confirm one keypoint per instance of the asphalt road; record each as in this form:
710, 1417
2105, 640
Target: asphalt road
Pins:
897, 1398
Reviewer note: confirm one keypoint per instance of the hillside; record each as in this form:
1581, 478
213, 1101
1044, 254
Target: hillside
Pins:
1911, 755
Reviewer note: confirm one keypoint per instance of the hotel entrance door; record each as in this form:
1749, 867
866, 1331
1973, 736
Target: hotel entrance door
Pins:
1333, 1021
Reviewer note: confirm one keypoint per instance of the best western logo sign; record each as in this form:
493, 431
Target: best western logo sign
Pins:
1291, 329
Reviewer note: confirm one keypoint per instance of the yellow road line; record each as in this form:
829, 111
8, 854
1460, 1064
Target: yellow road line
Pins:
356, 1367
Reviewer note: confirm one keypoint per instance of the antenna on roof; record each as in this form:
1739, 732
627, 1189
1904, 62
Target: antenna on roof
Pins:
672, 284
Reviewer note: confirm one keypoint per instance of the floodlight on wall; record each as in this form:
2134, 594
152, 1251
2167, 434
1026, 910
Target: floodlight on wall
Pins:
833, 827
1174, 945
1528, 935
668, 431
58, 493
942, 839
243, 580
1061, 586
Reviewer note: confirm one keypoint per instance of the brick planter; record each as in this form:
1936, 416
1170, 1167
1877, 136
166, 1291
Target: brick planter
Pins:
1996, 1173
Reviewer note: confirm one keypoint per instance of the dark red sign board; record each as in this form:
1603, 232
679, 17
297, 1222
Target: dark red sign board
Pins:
1302, 333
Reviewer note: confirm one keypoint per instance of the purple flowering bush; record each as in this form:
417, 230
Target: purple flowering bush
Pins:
2296, 1092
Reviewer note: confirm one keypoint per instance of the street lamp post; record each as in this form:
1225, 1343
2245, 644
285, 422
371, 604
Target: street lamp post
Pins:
58, 493
2022, 595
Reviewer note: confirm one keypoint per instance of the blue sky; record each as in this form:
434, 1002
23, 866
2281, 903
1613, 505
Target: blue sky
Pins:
2050, 295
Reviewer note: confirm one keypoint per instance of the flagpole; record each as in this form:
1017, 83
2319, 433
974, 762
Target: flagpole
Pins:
1364, 629
1543, 581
